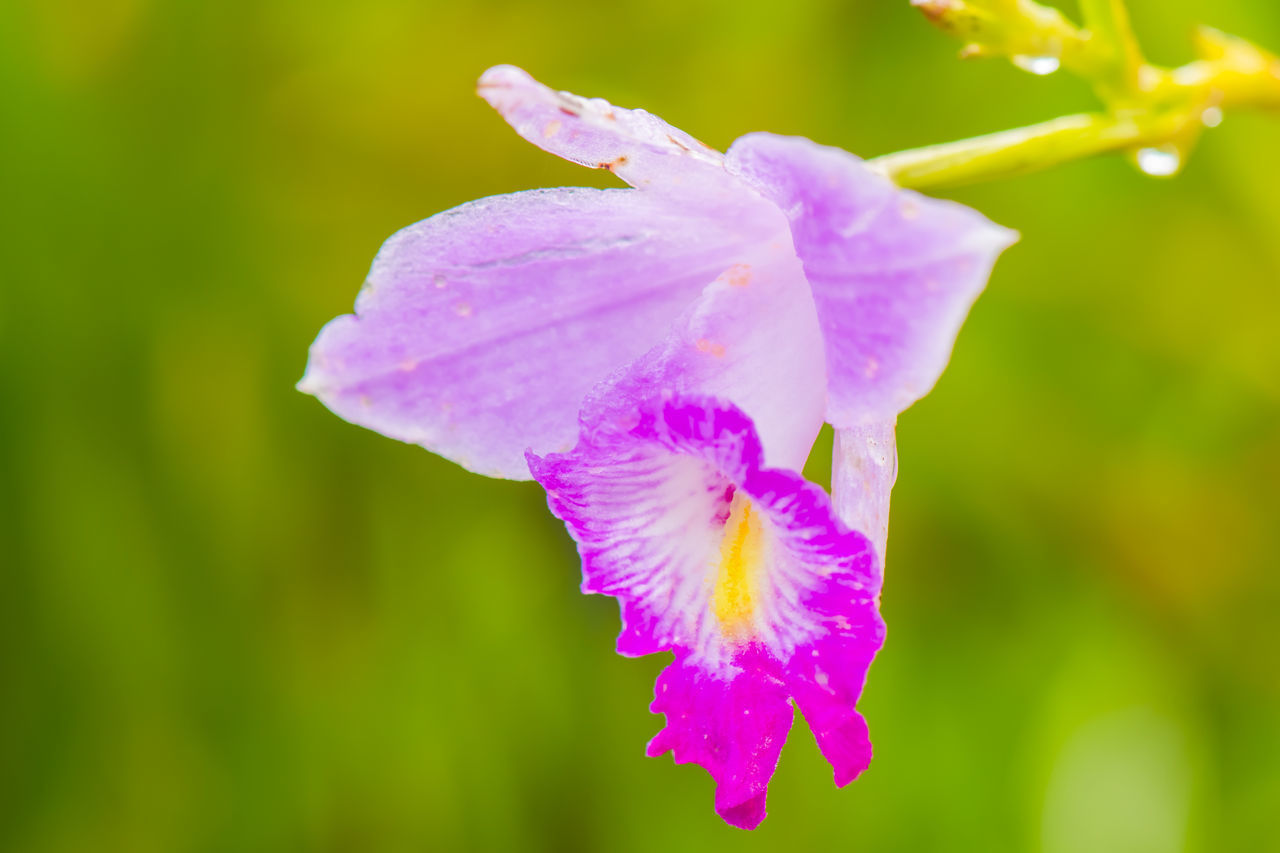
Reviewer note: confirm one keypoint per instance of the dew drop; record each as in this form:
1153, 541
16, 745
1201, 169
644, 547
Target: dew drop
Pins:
1211, 117
439, 281
1038, 65
1162, 161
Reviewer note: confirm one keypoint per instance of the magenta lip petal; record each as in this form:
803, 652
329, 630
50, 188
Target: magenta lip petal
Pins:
827, 676
647, 497
734, 729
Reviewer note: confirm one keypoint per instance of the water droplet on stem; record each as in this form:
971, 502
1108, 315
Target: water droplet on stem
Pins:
1161, 161
1038, 65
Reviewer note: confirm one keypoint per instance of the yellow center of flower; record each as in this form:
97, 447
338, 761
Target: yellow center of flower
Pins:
737, 581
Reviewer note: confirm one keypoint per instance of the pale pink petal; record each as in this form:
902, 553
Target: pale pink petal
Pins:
480, 330
893, 272
752, 337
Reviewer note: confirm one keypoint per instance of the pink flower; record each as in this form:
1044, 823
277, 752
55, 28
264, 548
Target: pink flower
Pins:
660, 359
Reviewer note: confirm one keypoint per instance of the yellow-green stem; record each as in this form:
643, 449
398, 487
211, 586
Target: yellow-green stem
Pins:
1166, 109
1026, 149
1146, 105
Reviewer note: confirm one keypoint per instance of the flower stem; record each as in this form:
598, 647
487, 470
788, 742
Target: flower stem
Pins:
1147, 106
1119, 59
1011, 152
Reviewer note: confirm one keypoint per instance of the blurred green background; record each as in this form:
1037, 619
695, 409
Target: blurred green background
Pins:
232, 622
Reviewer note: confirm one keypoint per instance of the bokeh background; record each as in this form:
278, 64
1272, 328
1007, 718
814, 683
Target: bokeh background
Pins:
232, 622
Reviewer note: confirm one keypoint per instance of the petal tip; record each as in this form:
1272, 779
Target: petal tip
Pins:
846, 774
658, 745
312, 383
744, 815
538, 465
502, 76
1005, 237
505, 87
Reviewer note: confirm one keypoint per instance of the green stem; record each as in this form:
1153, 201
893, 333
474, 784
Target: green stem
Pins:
1166, 109
1026, 149
1147, 106
1118, 59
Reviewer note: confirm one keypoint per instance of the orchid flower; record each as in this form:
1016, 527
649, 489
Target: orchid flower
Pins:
660, 358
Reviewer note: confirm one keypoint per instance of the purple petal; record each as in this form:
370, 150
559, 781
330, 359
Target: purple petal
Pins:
893, 272
638, 147
481, 330
743, 571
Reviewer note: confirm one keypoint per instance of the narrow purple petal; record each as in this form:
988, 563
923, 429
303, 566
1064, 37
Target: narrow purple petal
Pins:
638, 147
893, 272
864, 468
480, 330
743, 571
